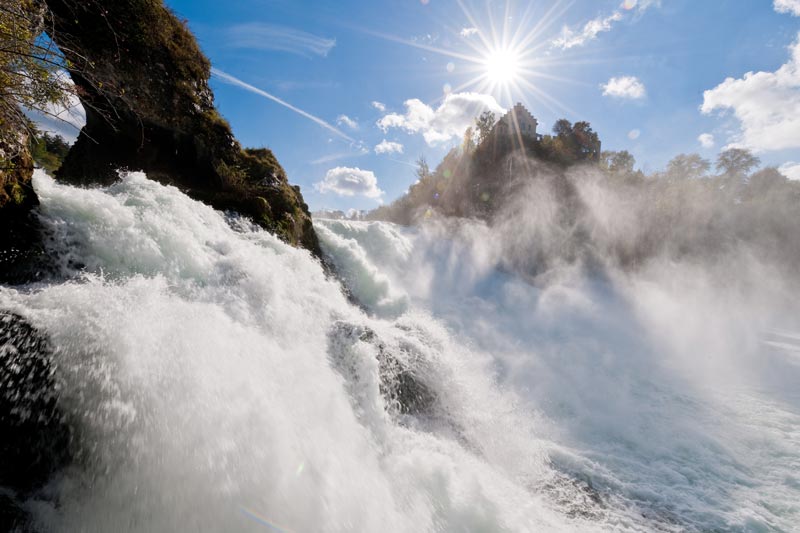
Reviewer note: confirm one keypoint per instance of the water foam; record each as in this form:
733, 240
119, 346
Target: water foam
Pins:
218, 380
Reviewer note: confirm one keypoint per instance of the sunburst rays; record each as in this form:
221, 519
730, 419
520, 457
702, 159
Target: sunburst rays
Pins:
508, 55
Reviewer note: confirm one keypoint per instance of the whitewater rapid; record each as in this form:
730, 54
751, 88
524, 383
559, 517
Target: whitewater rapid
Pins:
218, 380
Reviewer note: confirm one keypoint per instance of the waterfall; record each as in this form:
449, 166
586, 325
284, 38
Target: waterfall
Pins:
216, 379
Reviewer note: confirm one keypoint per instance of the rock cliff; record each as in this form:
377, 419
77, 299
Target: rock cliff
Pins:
143, 81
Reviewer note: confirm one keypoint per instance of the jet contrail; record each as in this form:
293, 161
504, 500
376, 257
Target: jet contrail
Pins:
227, 78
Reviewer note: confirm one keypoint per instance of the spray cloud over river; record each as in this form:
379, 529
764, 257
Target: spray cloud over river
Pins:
216, 379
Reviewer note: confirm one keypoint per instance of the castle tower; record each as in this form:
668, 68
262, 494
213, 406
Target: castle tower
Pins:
518, 120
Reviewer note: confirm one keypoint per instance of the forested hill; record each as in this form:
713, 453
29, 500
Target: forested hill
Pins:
474, 178
586, 202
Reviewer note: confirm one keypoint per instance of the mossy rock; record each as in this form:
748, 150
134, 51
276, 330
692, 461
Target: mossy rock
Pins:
21, 249
143, 81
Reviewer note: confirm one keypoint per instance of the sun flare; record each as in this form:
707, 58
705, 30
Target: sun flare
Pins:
504, 53
502, 66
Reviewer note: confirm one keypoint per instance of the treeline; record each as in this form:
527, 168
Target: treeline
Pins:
48, 151
565, 200
472, 178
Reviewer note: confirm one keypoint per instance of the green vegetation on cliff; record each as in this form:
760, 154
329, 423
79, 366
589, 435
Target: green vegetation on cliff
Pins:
143, 82
29, 77
48, 150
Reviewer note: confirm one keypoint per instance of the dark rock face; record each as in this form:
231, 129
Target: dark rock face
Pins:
143, 81
34, 441
20, 245
401, 380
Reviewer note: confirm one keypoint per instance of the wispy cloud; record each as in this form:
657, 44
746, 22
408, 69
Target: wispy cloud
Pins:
575, 36
347, 121
340, 155
642, 5
292, 85
571, 37
468, 32
227, 78
379, 106
261, 36
626, 87
388, 147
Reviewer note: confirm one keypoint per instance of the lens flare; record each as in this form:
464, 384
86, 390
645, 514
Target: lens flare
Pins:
505, 52
502, 66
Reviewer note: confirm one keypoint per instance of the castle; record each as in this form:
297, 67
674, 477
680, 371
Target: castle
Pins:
518, 120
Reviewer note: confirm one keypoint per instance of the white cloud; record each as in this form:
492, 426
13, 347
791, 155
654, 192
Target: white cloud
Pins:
767, 105
706, 140
468, 32
65, 119
347, 181
379, 106
388, 147
571, 38
791, 170
260, 36
634, 134
449, 120
624, 87
347, 121
788, 6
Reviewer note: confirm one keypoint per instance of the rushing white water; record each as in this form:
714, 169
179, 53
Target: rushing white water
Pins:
218, 381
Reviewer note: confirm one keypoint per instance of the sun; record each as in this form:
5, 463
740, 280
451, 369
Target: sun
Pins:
504, 52
502, 66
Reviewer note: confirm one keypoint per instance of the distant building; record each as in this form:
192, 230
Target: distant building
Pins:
518, 121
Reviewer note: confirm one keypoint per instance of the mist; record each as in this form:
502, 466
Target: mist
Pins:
651, 330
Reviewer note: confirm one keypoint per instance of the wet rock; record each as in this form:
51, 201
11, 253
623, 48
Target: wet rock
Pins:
400, 371
13, 518
20, 241
34, 441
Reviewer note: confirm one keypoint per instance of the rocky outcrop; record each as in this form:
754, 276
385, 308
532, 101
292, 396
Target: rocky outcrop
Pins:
20, 245
35, 439
20, 22
143, 82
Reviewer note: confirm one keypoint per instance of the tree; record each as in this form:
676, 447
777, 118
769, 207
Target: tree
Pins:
562, 128
588, 142
468, 145
736, 163
30, 71
618, 162
484, 124
423, 170
687, 166
766, 179
48, 150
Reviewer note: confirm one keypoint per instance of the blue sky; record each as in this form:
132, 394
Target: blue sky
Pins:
324, 85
